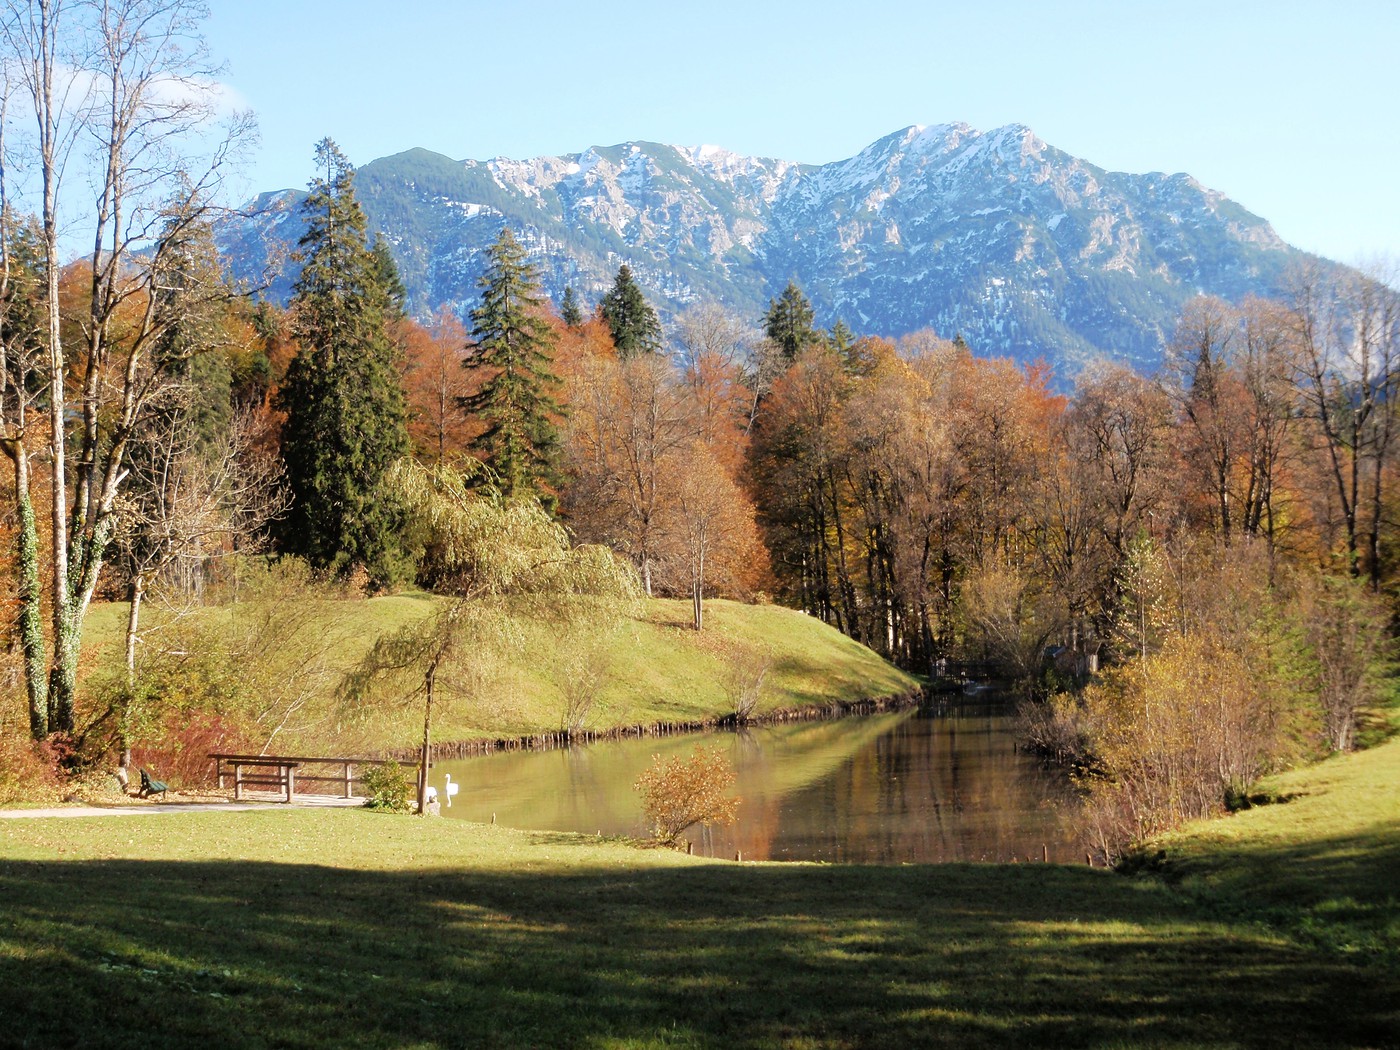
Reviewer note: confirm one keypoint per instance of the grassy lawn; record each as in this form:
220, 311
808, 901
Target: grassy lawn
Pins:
348, 928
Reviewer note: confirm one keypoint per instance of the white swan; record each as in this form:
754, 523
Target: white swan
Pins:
451, 789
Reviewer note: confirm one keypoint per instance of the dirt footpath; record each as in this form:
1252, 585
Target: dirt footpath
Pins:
205, 805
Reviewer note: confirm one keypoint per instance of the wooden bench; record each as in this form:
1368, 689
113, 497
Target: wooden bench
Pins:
285, 777
150, 786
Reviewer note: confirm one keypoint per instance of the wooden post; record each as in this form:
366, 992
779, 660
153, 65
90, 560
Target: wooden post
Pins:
1044, 853
349, 769
219, 771
238, 781
291, 780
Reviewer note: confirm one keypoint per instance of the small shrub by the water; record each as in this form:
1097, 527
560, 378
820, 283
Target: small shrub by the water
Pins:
387, 787
678, 793
1054, 728
745, 671
1176, 732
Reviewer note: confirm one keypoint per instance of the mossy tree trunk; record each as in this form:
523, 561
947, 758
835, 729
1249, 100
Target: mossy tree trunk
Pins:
30, 592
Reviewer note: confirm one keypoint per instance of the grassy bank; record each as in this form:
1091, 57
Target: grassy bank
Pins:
348, 928
657, 670
1322, 866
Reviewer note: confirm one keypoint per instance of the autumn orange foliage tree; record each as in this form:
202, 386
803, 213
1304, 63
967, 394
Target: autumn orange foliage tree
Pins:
436, 383
651, 474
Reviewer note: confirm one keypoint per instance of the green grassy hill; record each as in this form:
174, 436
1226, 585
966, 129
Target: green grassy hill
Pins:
656, 669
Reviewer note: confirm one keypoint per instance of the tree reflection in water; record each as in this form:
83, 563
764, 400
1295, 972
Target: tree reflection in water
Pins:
888, 789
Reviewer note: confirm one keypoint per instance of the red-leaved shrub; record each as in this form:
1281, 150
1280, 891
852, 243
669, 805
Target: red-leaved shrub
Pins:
180, 754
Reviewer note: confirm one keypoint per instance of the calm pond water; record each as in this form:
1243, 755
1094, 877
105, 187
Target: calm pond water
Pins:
909, 787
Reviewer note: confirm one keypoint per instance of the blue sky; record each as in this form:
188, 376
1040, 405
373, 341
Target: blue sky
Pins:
1288, 107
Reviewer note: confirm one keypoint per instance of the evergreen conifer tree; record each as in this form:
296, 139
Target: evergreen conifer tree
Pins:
345, 405
789, 321
634, 325
511, 341
848, 348
386, 271
569, 309
841, 337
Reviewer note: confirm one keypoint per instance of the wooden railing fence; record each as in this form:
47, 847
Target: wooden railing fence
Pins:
280, 772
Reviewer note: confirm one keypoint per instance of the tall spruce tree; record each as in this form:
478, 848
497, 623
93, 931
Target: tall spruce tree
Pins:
634, 325
512, 343
569, 309
386, 271
789, 321
345, 405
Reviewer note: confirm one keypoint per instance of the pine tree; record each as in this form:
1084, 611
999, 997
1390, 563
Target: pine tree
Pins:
634, 325
342, 394
569, 309
852, 351
789, 321
841, 337
512, 342
387, 273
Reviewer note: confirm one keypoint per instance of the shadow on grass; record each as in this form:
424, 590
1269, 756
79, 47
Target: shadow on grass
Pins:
1342, 892
108, 953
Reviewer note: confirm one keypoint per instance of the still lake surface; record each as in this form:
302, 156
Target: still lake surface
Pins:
912, 787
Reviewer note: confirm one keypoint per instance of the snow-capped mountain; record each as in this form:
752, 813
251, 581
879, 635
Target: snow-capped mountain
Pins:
1023, 249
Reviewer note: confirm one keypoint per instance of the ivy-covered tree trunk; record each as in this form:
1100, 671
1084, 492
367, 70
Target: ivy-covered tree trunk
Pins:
63, 673
30, 588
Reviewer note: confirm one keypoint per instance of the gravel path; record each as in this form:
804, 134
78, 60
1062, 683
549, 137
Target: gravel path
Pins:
312, 801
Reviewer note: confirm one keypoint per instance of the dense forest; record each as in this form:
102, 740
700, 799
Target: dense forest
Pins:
1189, 576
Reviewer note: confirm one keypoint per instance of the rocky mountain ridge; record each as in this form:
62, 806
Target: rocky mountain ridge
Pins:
1021, 248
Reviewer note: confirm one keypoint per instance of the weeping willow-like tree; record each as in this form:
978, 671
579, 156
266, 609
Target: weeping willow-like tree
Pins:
497, 562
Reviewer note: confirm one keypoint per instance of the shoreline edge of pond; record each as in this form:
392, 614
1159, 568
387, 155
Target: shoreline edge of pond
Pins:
552, 739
